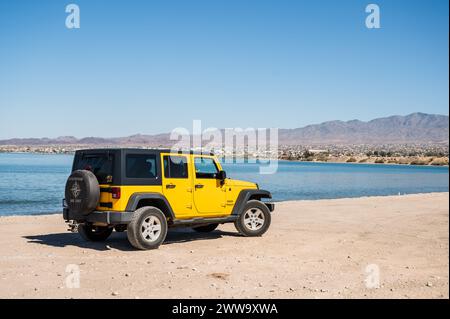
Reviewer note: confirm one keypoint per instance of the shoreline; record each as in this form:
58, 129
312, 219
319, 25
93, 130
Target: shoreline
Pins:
364, 197
365, 163
313, 249
335, 161
274, 201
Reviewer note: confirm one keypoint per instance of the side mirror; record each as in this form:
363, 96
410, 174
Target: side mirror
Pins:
221, 175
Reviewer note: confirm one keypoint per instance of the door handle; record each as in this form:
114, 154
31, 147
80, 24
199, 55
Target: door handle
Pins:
198, 185
171, 186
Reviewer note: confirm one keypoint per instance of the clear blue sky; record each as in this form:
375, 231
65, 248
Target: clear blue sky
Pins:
149, 66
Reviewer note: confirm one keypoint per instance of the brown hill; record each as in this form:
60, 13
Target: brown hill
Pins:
413, 128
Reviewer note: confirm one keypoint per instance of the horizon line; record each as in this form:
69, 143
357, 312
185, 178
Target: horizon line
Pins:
167, 132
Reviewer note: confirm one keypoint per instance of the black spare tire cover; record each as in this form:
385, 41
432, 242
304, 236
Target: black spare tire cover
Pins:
82, 192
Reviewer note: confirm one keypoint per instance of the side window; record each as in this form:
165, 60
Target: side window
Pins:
205, 167
141, 166
175, 166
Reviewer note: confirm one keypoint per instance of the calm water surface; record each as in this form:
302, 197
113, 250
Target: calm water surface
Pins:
34, 183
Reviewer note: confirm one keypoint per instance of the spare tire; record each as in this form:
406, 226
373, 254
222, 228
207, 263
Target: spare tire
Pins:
82, 192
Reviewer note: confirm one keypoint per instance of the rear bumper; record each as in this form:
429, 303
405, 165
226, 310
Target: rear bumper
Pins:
105, 217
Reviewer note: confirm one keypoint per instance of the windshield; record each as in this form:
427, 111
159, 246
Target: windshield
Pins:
99, 164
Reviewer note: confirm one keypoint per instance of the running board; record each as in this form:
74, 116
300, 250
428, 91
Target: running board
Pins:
202, 220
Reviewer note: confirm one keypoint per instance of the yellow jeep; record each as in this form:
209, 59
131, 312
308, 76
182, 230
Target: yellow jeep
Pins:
147, 191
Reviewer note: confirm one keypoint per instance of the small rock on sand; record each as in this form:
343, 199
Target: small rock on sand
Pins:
219, 275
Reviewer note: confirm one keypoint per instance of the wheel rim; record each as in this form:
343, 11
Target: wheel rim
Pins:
151, 228
254, 219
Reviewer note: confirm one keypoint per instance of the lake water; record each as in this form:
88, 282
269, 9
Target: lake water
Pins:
34, 183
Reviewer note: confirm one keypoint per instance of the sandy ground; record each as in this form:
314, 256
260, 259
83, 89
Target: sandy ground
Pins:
314, 249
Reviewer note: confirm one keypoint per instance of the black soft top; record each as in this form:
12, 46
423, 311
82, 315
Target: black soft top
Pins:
116, 165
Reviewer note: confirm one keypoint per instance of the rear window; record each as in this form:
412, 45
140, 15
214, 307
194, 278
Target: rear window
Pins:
99, 164
141, 166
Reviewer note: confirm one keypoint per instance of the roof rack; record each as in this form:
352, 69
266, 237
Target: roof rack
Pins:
195, 152
162, 150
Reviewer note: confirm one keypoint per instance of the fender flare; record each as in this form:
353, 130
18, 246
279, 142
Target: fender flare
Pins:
137, 197
244, 197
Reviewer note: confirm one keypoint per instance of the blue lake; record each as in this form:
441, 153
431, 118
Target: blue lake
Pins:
34, 183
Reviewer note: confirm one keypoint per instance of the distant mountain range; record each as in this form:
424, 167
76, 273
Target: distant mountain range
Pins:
412, 128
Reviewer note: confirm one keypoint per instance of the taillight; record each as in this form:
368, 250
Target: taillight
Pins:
115, 191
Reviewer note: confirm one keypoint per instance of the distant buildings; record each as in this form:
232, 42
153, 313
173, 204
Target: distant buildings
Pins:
419, 154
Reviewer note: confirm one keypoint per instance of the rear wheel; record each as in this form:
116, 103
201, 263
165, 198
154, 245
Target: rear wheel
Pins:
94, 233
254, 220
205, 228
147, 229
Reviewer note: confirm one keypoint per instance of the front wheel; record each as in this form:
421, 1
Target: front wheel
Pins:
254, 220
147, 229
94, 233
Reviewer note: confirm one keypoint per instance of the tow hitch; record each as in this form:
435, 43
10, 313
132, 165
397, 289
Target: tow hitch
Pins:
73, 226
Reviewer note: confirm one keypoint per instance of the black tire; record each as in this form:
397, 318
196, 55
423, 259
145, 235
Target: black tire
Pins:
205, 228
145, 237
94, 233
261, 223
82, 192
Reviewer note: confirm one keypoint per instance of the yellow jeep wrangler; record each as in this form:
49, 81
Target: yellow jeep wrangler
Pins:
144, 192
